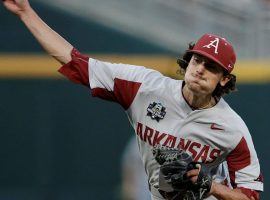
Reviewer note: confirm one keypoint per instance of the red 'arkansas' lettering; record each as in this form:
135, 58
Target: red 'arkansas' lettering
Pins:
214, 154
148, 133
139, 130
192, 150
182, 144
170, 141
203, 153
158, 137
200, 152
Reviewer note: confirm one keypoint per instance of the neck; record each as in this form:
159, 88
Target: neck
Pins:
198, 101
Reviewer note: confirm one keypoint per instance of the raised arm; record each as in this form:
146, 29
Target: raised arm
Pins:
52, 42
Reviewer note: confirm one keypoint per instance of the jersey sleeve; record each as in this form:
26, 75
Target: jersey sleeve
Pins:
110, 81
244, 167
77, 69
120, 82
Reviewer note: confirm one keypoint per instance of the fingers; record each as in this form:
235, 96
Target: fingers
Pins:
193, 172
193, 175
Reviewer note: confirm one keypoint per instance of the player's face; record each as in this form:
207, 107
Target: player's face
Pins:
202, 75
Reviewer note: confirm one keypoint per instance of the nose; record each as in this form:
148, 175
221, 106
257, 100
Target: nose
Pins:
200, 68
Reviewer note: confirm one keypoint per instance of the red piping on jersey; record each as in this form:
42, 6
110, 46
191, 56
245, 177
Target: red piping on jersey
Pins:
238, 159
124, 92
77, 69
103, 94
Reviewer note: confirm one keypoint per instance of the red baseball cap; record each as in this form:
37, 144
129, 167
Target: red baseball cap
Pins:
217, 49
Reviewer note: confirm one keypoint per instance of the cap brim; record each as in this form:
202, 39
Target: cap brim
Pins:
207, 55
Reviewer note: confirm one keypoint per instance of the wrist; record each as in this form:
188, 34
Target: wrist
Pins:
213, 188
26, 14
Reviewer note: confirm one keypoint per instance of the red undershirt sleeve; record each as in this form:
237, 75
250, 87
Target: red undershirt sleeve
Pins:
77, 69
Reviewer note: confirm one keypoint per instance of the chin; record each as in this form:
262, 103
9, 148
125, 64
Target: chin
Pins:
195, 86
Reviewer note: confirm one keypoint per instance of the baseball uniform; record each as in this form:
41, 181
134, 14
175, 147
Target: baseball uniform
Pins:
160, 114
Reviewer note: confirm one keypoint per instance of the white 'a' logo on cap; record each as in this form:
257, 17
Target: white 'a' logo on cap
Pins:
214, 43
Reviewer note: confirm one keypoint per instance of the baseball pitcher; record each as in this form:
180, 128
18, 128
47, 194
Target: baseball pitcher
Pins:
187, 134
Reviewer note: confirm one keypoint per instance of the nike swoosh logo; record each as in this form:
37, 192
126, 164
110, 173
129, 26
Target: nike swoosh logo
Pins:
214, 127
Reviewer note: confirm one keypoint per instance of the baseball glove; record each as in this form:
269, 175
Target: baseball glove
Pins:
174, 164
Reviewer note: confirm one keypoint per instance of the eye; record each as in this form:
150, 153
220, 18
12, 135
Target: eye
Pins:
197, 59
213, 67
210, 65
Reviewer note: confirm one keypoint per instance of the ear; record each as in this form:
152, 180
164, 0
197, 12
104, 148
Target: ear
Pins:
224, 80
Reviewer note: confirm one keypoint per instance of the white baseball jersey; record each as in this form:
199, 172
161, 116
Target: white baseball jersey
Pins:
159, 114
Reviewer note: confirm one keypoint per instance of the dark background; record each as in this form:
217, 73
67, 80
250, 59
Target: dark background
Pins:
83, 34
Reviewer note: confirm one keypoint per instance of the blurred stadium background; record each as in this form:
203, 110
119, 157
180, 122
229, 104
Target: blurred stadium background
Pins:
59, 143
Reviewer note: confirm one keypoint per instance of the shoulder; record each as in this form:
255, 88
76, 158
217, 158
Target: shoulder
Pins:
230, 119
126, 71
235, 126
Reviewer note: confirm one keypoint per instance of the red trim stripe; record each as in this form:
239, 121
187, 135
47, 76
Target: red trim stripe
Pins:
124, 92
238, 159
103, 94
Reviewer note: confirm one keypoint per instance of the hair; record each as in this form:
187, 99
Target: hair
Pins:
219, 90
